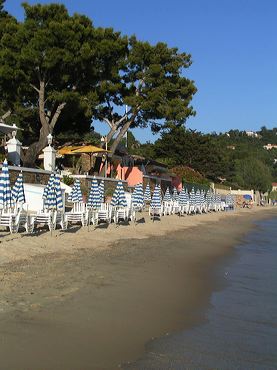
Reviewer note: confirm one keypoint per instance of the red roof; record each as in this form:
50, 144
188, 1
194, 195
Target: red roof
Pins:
274, 184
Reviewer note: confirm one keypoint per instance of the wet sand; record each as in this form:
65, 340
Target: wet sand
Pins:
81, 301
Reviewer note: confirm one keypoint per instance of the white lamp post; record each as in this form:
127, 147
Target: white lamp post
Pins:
14, 149
49, 158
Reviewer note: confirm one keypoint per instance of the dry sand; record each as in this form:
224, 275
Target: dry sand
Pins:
92, 299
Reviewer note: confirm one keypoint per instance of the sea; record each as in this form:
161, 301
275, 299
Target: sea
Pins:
240, 327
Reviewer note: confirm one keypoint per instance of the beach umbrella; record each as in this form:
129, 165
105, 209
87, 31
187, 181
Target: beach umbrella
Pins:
119, 198
48, 186
5, 187
102, 191
183, 197
175, 195
192, 199
212, 195
133, 197
137, 196
218, 200
76, 194
232, 200
213, 199
53, 193
18, 194
94, 199
202, 197
208, 198
58, 192
156, 198
48, 193
203, 200
167, 196
90, 150
198, 198
147, 193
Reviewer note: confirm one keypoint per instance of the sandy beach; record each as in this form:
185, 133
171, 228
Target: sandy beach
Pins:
92, 299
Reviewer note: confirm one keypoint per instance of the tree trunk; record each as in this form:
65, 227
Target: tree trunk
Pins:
122, 132
110, 135
34, 149
47, 127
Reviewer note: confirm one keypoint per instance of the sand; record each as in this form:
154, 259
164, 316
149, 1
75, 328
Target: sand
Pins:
92, 299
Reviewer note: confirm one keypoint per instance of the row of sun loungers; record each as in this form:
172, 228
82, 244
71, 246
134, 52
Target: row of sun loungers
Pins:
16, 220
80, 214
171, 208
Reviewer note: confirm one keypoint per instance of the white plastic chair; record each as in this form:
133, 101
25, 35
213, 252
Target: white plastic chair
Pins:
184, 209
9, 219
92, 217
120, 214
167, 208
104, 214
44, 218
78, 214
59, 219
24, 221
175, 208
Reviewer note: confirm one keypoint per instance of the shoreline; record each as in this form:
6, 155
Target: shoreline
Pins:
98, 306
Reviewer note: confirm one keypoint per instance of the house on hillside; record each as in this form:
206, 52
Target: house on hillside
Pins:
253, 134
270, 146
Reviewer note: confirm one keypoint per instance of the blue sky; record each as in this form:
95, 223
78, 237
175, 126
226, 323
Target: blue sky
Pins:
233, 46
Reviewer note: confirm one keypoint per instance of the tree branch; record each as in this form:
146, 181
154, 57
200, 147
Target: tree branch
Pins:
122, 132
110, 124
34, 87
6, 115
56, 115
41, 100
123, 118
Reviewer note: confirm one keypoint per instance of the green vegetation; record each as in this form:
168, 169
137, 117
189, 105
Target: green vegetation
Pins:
233, 159
273, 195
188, 174
68, 180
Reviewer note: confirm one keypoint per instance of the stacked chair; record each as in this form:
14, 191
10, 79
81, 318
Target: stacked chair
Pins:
78, 213
52, 214
156, 209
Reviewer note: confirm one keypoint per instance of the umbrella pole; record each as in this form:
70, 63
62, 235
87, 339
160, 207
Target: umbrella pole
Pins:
51, 231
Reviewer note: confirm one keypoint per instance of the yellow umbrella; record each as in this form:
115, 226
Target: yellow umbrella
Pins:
68, 149
89, 149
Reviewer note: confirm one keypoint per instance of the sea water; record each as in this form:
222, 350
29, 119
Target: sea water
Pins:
240, 330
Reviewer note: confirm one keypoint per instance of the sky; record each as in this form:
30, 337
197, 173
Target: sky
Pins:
233, 47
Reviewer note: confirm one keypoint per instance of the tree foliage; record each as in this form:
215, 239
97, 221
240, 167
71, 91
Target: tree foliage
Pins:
50, 66
252, 173
150, 82
232, 158
58, 72
201, 152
